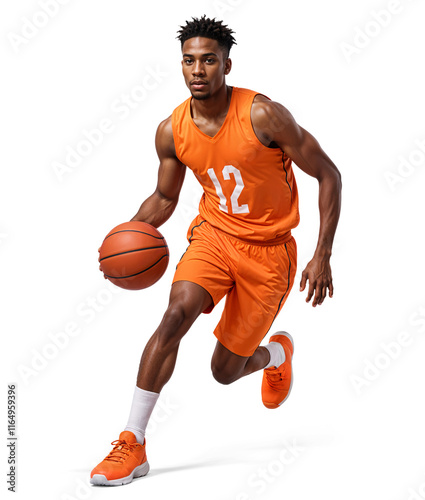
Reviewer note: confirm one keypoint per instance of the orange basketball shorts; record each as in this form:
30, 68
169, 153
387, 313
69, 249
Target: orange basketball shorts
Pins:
255, 277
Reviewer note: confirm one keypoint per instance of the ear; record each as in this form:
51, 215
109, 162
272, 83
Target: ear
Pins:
227, 66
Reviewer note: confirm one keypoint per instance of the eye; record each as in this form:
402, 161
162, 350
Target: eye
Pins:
188, 61
210, 60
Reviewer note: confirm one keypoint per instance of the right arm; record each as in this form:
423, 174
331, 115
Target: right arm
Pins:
158, 208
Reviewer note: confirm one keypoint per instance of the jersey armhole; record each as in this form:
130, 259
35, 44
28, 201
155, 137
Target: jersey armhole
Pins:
250, 127
175, 134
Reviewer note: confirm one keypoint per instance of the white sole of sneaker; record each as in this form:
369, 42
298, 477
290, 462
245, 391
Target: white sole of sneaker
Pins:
100, 479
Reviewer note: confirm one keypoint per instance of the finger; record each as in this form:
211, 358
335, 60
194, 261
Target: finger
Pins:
331, 289
318, 295
303, 281
310, 292
324, 290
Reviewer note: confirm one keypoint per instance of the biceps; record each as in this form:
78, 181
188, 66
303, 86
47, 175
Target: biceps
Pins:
308, 155
171, 175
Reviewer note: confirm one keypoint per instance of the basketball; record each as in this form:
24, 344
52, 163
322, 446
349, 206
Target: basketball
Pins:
134, 255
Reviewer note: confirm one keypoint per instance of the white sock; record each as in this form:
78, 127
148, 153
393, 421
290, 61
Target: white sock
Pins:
141, 409
277, 354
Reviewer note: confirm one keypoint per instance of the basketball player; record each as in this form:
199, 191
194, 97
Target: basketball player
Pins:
240, 146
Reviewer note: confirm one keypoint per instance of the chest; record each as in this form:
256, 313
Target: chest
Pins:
209, 127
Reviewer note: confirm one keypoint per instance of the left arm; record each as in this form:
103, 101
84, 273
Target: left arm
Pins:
274, 124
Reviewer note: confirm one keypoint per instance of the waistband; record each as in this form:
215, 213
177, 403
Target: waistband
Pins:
276, 241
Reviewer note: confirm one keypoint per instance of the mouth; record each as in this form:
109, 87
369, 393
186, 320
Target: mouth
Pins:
198, 84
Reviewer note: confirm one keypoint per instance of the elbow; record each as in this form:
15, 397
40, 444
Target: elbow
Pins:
334, 176
338, 178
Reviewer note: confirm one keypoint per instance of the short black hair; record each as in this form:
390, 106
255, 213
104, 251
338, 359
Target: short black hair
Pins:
208, 28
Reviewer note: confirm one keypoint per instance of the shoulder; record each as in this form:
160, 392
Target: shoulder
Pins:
270, 119
264, 110
165, 128
164, 139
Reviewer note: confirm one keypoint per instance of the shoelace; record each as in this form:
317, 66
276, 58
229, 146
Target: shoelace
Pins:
121, 450
274, 377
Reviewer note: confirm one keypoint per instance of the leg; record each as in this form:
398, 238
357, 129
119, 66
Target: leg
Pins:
228, 367
251, 307
187, 301
128, 459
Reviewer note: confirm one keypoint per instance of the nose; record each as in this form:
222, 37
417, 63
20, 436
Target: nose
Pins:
198, 68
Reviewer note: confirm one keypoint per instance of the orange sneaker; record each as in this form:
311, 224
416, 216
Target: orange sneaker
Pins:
126, 461
277, 381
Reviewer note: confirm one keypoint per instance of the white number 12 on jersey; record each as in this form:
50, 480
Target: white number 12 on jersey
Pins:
227, 170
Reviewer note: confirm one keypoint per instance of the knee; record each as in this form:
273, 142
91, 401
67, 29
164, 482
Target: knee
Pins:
174, 316
223, 374
174, 324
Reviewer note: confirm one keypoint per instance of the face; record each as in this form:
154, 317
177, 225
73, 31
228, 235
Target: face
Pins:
204, 67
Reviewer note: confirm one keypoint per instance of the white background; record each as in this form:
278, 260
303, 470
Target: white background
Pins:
358, 430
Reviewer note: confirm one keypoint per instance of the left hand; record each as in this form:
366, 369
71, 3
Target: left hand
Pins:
318, 274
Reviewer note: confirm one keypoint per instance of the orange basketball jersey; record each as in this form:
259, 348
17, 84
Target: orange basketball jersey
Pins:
249, 189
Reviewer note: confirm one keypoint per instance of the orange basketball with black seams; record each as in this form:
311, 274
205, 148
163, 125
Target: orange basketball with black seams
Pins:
134, 255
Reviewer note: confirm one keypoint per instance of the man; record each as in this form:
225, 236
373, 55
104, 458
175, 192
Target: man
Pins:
239, 145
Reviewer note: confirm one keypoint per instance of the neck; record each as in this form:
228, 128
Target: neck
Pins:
214, 106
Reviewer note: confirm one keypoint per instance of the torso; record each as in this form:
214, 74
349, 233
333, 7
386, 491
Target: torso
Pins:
249, 188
